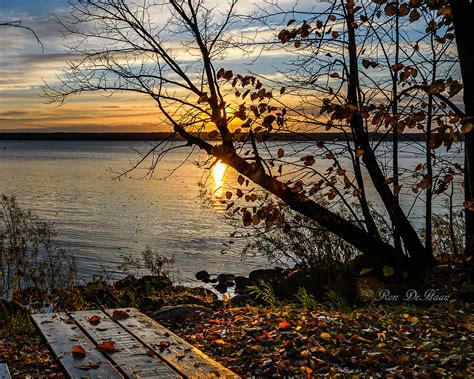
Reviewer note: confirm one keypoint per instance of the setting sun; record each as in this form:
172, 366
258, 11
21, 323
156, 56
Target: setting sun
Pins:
218, 173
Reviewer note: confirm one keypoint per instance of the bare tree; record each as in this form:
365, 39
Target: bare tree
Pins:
168, 50
18, 24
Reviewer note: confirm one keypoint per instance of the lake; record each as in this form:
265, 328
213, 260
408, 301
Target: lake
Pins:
99, 219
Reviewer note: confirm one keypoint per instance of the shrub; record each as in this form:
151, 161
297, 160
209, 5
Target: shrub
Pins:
150, 261
28, 255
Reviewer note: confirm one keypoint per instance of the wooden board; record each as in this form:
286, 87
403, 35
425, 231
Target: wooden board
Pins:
185, 358
4, 372
133, 358
61, 333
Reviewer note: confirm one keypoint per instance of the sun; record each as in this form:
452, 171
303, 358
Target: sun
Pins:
218, 174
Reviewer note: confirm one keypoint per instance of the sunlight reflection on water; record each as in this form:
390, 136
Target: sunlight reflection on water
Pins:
218, 175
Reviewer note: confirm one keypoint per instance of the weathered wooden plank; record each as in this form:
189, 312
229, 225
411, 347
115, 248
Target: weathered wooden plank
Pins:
134, 359
4, 372
61, 333
187, 359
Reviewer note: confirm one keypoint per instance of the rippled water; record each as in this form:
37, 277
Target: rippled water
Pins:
101, 219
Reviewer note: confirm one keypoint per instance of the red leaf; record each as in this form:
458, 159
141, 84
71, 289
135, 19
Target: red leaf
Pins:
119, 315
94, 320
78, 351
107, 346
284, 325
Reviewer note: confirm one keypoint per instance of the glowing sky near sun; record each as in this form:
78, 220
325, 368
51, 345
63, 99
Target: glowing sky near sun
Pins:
24, 67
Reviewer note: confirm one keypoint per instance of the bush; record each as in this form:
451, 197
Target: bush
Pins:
28, 256
150, 261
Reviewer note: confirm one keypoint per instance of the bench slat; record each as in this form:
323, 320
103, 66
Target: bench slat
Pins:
61, 333
184, 357
132, 357
4, 372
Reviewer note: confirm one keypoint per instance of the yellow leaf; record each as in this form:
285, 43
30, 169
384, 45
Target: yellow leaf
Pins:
405, 315
380, 345
298, 328
469, 327
219, 342
325, 336
413, 319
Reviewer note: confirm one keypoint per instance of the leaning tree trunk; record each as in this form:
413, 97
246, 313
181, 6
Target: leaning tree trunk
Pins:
463, 16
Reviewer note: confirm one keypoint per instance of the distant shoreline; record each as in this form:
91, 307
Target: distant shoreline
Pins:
158, 136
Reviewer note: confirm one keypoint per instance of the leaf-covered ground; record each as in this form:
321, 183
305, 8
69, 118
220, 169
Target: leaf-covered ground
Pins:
383, 341
386, 341
23, 350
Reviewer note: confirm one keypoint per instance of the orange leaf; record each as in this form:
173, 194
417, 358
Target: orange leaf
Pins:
119, 315
94, 320
325, 336
107, 346
78, 351
284, 325
268, 335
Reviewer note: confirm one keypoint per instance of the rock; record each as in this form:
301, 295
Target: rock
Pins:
180, 312
127, 282
288, 287
272, 276
240, 300
203, 276
227, 279
150, 304
221, 287
241, 284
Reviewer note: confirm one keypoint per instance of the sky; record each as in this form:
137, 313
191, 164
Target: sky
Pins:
25, 66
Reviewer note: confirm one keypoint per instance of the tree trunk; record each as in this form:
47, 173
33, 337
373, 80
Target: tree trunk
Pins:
381, 253
463, 16
418, 255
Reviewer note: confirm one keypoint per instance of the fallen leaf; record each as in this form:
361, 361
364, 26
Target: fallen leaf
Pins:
78, 351
107, 346
89, 366
325, 336
284, 325
119, 315
94, 320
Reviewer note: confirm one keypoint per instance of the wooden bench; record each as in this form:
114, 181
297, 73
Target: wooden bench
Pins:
144, 348
4, 372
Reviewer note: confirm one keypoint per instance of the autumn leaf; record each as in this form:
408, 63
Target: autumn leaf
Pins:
78, 351
107, 346
284, 325
94, 320
359, 152
325, 336
89, 366
280, 153
119, 315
